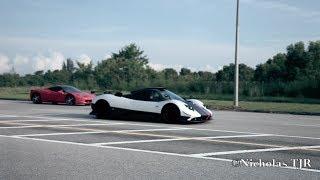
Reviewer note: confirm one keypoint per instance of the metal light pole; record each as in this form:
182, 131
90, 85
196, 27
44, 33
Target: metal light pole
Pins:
236, 66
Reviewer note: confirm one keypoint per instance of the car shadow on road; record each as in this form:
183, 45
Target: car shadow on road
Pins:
128, 119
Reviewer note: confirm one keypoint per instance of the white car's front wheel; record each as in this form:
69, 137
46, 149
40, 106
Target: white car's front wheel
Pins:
170, 113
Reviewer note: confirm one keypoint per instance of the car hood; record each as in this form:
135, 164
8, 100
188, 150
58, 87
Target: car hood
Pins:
198, 106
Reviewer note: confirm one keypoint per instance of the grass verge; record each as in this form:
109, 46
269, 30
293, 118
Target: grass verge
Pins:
15, 93
271, 107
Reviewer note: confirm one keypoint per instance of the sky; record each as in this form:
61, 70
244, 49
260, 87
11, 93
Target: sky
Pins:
196, 34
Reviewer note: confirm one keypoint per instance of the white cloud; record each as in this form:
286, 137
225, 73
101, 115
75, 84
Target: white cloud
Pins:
201, 55
160, 67
52, 62
84, 59
284, 7
209, 68
22, 64
106, 56
177, 67
4, 64
20, 60
162, 53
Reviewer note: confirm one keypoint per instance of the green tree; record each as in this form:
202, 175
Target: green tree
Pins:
185, 72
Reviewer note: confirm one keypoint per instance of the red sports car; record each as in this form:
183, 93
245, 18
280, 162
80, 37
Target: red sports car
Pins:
61, 94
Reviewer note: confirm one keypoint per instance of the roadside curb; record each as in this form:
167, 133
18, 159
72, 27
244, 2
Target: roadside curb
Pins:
14, 99
270, 112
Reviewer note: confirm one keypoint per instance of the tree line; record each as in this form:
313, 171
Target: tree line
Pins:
295, 73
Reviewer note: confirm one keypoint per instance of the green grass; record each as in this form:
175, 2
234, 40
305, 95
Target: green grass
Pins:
275, 107
229, 97
222, 102
17, 93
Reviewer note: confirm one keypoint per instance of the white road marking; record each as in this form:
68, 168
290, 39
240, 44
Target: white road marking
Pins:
57, 134
256, 150
147, 151
147, 130
280, 135
20, 127
7, 115
302, 125
45, 120
301, 137
152, 125
138, 141
99, 131
56, 125
108, 147
177, 139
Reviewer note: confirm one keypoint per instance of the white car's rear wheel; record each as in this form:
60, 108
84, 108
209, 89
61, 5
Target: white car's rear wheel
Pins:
102, 109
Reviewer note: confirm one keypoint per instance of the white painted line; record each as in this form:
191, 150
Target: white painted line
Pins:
19, 127
152, 125
45, 120
302, 125
239, 136
138, 141
176, 139
111, 147
5, 115
72, 125
147, 130
256, 150
300, 137
57, 125
49, 118
97, 132
57, 134
146, 151
280, 135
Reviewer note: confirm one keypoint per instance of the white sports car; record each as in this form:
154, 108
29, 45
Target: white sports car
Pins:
150, 103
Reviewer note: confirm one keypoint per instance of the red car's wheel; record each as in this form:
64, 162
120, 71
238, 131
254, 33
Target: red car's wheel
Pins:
36, 98
70, 100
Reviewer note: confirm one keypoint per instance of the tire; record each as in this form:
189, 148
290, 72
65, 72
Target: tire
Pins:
170, 114
103, 109
70, 100
36, 98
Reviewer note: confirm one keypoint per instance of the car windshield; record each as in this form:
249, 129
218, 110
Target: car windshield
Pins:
70, 89
170, 95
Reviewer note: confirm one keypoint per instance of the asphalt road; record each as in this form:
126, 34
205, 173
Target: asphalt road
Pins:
63, 142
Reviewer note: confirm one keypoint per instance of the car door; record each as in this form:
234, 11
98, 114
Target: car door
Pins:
146, 101
57, 94
45, 95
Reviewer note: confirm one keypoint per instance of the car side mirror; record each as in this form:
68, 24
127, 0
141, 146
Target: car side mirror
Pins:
61, 91
92, 92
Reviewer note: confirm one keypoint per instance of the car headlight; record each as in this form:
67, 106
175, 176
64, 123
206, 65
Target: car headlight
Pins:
189, 107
